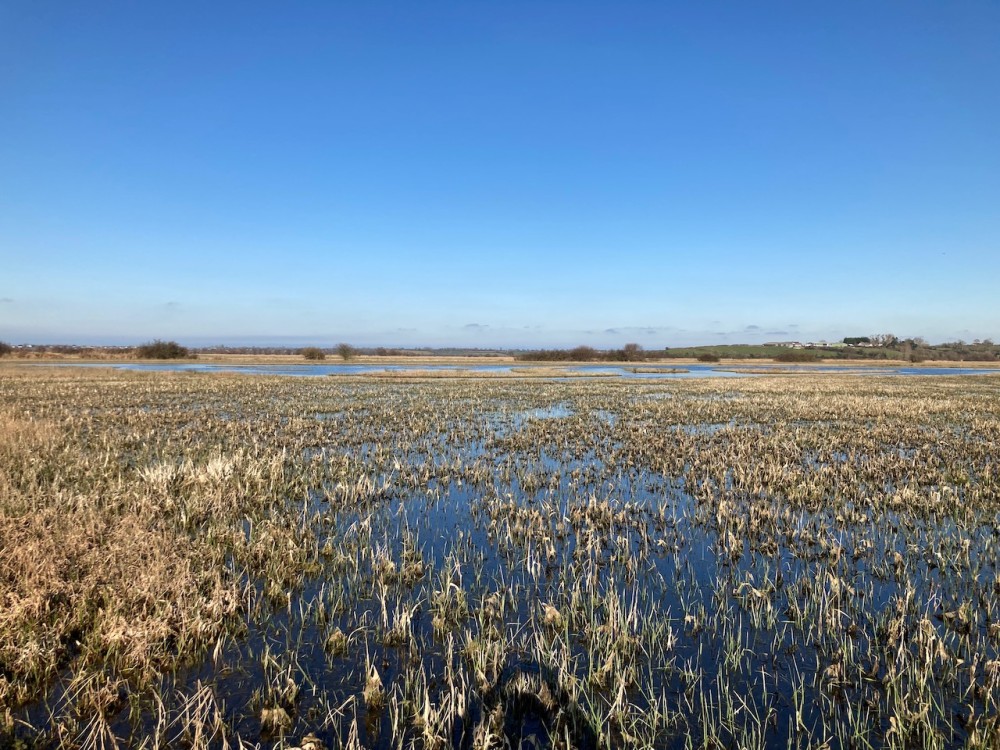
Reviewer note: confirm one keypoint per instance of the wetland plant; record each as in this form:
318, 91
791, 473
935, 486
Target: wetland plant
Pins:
793, 561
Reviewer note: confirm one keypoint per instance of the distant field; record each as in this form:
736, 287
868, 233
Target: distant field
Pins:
735, 351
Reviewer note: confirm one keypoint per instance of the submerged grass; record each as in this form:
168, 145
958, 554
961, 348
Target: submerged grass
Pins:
235, 561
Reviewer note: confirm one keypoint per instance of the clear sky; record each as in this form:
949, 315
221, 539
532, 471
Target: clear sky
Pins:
498, 173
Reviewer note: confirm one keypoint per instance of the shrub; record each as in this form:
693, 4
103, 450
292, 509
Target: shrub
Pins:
346, 351
583, 354
628, 353
313, 353
633, 353
5, 348
708, 357
544, 355
161, 350
795, 355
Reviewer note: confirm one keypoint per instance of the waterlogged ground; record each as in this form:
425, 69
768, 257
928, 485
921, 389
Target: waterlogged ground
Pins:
643, 371
212, 560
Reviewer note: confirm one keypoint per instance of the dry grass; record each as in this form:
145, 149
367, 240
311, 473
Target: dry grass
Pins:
88, 580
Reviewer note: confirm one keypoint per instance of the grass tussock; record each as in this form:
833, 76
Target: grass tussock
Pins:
96, 584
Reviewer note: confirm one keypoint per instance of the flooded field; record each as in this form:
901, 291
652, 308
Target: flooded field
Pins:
227, 561
642, 372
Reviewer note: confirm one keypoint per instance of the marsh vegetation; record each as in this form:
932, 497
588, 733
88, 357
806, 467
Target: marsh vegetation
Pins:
162, 350
226, 561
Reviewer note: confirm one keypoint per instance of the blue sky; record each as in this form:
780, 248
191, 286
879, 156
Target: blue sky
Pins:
498, 174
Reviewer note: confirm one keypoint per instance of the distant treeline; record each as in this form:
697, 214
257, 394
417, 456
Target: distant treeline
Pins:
876, 347
82, 350
372, 351
41, 351
628, 353
886, 347
150, 350
917, 350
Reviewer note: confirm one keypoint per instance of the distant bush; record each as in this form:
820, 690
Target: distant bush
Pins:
5, 348
708, 357
162, 350
583, 354
313, 352
795, 355
628, 353
543, 355
346, 351
633, 352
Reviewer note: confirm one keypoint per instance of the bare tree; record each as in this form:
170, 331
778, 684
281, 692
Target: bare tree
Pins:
632, 352
883, 339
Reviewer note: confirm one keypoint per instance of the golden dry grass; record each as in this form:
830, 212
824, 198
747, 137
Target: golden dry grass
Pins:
88, 573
